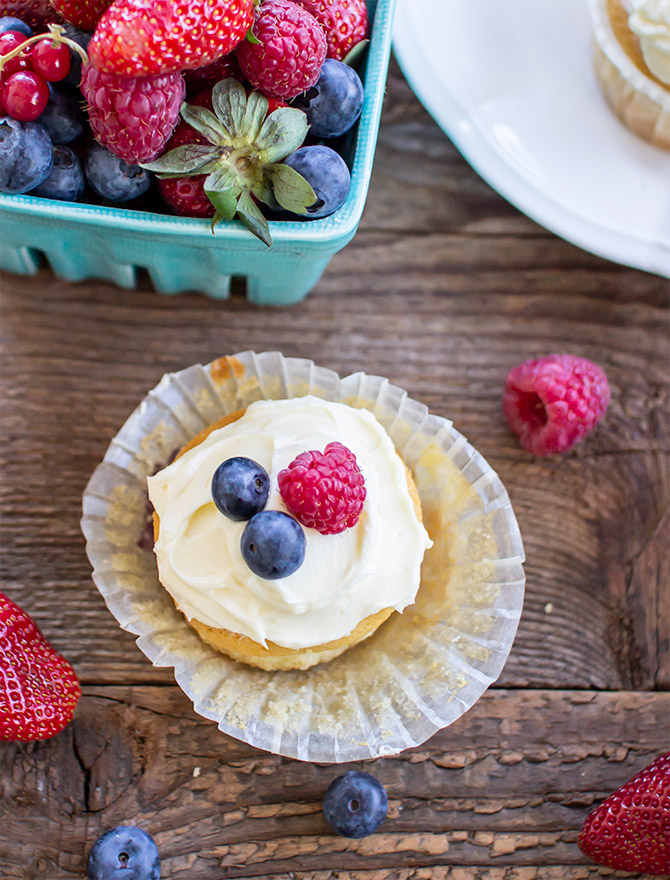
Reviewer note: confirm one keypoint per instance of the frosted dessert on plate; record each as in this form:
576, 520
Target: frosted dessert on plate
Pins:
632, 63
289, 531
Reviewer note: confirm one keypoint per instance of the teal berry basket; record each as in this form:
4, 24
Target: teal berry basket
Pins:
83, 241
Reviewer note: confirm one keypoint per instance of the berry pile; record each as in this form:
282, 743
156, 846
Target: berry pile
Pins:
268, 96
321, 490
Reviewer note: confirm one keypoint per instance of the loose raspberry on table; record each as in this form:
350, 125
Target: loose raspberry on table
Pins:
290, 51
344, 21
324, 490
133, 116
553, 402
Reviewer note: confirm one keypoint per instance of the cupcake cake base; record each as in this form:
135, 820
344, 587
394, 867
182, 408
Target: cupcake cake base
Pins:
418, 672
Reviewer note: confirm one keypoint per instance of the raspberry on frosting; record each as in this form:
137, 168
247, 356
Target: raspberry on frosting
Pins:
324, 490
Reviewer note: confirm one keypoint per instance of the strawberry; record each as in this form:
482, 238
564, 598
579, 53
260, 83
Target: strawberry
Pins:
36, 13
38, 687
630, 831
240, 163
84, 14
146, 37
186, 195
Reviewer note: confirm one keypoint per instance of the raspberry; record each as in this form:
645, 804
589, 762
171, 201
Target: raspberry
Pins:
555, 401
133, 116
324, 490
291, 49
344, 21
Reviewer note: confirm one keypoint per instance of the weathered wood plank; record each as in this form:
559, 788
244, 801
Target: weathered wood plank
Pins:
509, 784
460, 313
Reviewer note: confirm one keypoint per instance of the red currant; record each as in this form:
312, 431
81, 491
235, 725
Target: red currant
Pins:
25, 95
51, 60
8, 42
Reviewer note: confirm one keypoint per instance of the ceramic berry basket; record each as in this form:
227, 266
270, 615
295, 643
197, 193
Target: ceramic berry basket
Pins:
85, 241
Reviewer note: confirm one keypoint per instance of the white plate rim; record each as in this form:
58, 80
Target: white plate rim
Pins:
455, 120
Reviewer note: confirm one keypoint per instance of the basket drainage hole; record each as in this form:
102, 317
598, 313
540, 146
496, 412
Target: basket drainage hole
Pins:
238, 285
143, 280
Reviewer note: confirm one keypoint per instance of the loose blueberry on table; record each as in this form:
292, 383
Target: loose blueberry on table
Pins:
124, 853
234, 157
355, 804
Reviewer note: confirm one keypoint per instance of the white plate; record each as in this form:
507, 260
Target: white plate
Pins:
511, 83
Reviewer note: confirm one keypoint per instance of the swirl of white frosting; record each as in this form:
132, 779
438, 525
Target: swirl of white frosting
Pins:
343, 579
650, 22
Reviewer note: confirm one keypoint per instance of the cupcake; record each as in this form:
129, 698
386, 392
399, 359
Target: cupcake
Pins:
289, 531
423, 668
632, 63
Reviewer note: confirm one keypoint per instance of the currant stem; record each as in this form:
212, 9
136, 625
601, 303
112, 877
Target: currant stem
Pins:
56, 35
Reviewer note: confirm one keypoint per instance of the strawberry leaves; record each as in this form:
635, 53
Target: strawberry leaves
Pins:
242, 159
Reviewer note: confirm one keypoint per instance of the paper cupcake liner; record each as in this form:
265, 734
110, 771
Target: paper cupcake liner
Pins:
639, 102
419, 672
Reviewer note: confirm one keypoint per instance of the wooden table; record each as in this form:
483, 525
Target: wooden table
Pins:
444, 289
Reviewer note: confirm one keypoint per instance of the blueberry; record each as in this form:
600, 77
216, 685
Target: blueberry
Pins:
273, 544
66, 180
9, 23
83, 38
26, 155
328, 174
124, 853
334, 104
112, 178
240, 488
355, 804
63, 118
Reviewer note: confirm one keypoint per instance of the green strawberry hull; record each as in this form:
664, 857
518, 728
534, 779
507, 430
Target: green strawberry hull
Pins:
83, 241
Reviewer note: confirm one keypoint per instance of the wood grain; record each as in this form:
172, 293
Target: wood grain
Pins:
509, 784
592, 521
443, 290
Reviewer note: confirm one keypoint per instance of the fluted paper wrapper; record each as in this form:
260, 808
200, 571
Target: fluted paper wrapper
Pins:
419, 672
639, 102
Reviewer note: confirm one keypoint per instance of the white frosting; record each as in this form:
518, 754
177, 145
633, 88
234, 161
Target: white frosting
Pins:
650, 21
344, 578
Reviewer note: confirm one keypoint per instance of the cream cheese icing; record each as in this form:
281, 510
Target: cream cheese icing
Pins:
650, 22
344, 578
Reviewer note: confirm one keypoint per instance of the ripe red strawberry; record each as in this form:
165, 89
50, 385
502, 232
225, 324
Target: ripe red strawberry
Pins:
290, 50
630, 831
84, 14
324, 490
38, 687
133, 116
146, 37
186, 195
36, 13
344, 21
